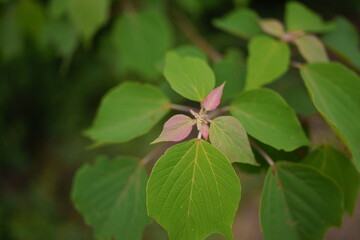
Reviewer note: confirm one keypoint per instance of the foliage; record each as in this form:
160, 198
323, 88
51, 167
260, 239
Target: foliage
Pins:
236, 112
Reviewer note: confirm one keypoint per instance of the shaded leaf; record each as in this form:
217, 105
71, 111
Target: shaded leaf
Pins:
228, 135
128, 111
334, 90
311, 49
241, 22
141, 39
88, 16
176, 129
57, 8
111, 197
300, 17
62, 36
232, 70
268, 118
31, 18
191, 77
292, 88
12, 43
268, 60
335, 165
344, 39
298, 203
193, 191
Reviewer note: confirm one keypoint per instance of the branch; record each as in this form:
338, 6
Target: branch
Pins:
188, 29
218, 112
183, 108
155, 153
296, 64
262, 153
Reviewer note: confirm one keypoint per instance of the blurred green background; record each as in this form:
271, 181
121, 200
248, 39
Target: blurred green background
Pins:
53, 73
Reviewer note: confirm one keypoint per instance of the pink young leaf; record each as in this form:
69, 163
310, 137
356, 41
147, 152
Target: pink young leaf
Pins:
213, 99
204, 129
176, 129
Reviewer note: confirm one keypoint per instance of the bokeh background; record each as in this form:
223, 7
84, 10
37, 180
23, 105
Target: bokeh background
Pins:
51, 82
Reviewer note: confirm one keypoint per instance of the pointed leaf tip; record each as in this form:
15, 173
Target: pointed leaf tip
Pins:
212, 100
176, 129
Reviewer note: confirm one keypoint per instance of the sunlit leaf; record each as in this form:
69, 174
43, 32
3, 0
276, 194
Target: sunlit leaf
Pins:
111, 197
128, 111
191, 77
193, 191
229, 136
337, 166
298, 203
268, 60
334, 90
268, 118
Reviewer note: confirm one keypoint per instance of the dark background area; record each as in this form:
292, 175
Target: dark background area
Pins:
46, 102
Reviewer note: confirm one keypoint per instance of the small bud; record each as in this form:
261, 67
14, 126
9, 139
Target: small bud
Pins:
204, 129
196, 115
212, 100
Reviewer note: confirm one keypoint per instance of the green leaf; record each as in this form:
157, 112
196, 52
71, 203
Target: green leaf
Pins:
335, 165
62, 36
228, 135
31, 17
128, 111
292, 88
268, 118
111, 197
344, 40
12, 40
272, 26
141, 39
190, 51
57, 8
298, 203
232, 70
300, 17
311, 49
193, 191
196, 7
191, 77
88, 16
241, 22
334, 90
268, 60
